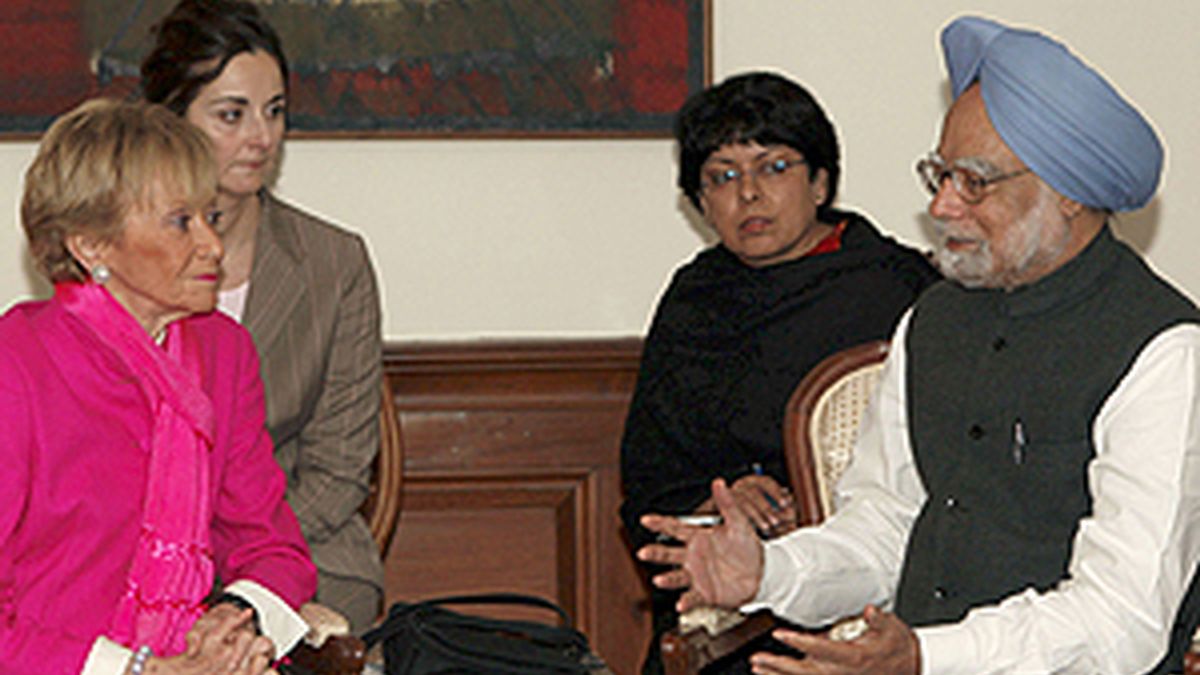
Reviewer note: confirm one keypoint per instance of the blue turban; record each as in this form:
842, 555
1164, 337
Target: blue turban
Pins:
1058, 115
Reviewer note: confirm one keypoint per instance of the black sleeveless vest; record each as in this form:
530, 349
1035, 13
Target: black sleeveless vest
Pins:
1002, 389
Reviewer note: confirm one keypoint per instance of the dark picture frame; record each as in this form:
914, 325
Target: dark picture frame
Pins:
396, 68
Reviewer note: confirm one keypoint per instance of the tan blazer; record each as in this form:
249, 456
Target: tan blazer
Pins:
313, 310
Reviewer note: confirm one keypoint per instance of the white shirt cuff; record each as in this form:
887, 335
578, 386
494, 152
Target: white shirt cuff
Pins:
279, 622
106, 658
946, 650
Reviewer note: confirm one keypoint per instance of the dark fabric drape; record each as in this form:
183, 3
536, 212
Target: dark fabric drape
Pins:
727, 346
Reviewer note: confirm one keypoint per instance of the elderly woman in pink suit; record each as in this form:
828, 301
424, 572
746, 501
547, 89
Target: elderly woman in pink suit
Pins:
136, 465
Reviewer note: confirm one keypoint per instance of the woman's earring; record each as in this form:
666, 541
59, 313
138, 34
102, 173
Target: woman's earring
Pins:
101, 273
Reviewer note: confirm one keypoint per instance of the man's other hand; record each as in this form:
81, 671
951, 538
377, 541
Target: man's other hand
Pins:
888, 647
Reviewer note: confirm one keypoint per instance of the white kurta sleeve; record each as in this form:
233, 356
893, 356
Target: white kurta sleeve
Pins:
817, 575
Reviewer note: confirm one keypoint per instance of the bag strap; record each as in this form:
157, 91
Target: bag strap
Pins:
389, 627
519, 599
392, 624
483, 654
440, 618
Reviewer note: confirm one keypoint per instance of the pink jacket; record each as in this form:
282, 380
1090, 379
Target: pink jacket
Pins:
72, 477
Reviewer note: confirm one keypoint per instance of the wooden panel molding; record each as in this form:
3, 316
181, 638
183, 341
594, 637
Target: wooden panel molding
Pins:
512, 480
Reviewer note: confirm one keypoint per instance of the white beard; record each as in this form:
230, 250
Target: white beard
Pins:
1023, 245
971, 269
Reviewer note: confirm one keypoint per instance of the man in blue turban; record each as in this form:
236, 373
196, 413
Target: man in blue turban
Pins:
1026, 485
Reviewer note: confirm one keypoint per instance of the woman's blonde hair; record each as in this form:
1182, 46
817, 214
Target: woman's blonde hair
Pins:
97, 162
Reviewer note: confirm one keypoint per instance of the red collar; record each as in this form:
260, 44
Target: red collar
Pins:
832, 242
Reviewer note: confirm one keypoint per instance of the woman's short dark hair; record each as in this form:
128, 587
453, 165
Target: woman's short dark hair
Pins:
761, 108
195, 41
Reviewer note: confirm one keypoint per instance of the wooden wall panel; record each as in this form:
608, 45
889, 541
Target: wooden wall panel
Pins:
444, 521
512, 480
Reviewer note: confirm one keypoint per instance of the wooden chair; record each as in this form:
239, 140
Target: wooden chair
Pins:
820, 428
328, 649
820, 424
382, 506
331, 649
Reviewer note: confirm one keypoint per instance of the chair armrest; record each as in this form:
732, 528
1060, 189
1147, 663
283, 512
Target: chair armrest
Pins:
340, 655
685, 653
328, 649
323, 623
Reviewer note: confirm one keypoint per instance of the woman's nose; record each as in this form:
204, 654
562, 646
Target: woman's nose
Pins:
748, 188
208, 242
259, 131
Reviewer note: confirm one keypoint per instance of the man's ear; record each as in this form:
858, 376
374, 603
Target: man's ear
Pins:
1069, 208
87, 250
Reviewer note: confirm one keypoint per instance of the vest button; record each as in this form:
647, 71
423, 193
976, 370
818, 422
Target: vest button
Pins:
999, 344
951, 503
939, 593
975, 432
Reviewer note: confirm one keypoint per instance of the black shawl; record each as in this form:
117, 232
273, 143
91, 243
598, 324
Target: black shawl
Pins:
728, 345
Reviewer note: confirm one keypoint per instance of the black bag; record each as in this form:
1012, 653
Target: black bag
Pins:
423, 638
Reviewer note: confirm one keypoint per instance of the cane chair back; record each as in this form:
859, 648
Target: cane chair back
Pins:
821, 424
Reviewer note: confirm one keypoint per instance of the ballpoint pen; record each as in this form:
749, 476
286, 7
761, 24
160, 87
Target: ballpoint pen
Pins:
758, 471
1018, 442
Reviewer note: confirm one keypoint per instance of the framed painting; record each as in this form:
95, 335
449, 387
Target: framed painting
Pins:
395, 67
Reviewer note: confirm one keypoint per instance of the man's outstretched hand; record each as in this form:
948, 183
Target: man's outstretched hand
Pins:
719, 565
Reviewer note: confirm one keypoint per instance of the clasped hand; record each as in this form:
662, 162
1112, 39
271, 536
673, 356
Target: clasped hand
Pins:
723, 566
221, 641
767, 504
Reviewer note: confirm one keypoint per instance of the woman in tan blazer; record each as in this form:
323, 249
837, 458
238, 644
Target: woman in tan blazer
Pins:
304, 288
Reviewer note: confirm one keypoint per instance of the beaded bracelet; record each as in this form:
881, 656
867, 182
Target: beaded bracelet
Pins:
140, 657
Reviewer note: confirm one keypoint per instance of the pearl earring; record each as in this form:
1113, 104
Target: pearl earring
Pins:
101, 273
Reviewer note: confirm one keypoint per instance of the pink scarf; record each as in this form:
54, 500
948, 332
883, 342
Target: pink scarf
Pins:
172, 568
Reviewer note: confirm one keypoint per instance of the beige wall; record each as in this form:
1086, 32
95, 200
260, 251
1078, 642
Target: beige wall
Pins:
577, 238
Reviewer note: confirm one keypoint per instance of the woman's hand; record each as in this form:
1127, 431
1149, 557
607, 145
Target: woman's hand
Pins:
769, 506
222, 640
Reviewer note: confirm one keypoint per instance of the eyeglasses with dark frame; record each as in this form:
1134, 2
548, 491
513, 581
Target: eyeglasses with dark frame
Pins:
765, 172
968, 183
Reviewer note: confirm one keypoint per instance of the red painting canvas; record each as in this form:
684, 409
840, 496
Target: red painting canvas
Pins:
424, 67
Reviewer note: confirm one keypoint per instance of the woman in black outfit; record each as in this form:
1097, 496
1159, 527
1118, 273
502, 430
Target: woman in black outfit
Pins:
792, 281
